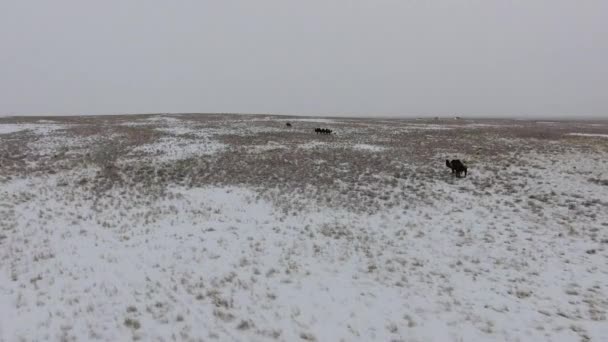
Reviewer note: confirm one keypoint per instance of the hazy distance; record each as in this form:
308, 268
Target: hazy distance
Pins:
543, 58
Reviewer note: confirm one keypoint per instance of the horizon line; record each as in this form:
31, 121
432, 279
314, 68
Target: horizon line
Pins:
526, 117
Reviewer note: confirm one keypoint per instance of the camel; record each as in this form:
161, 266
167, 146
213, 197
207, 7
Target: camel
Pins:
457, 167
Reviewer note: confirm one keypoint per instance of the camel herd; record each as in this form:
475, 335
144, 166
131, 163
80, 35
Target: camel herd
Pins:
317, 130
323, 131
457, 167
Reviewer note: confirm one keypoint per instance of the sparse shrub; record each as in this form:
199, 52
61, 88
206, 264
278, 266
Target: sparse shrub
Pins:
243, 325
132, 323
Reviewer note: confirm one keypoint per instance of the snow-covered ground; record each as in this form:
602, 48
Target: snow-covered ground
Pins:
172, 229
175, 148
590, 135
367, 147
41, 128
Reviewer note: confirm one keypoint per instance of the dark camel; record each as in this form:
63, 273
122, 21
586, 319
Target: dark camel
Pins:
457, 167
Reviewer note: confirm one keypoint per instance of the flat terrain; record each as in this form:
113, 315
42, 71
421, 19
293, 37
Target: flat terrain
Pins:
228, 227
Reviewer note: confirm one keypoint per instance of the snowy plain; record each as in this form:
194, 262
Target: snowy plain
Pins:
231, 228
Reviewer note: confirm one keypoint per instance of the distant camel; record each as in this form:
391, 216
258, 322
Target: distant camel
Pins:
457, 167
288, 124
323, 131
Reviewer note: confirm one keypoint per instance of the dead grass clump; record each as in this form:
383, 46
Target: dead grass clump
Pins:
132, 323
603, 182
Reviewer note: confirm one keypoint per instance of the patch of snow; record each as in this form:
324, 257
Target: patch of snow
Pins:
41, 129
427, 126
50, 144
480, 125
313, 144
171, 148
370, 148
135, 123
164, 119
183, 130
154, 120
589, 135
319, 120
271, 145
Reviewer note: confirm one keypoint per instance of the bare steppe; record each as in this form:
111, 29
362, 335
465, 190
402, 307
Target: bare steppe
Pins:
237, 227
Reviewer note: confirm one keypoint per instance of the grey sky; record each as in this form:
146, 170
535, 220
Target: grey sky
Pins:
380, 57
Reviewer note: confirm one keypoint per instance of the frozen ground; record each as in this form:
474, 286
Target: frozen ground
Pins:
590, 135
229, 228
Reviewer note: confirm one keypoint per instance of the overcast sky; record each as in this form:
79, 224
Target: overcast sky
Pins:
322, 57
